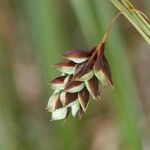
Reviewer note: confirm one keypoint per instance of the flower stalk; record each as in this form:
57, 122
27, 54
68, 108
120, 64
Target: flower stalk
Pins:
137, 19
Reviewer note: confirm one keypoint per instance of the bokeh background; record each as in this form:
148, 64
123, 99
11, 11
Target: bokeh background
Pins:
33, 35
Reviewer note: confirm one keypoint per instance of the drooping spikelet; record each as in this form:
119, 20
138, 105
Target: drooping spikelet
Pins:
83, 73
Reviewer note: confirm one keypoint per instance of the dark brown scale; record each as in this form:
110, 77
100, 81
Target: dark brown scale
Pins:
58, 104
72, 84
65, 64
58, 80
107, 72
94, 86
78, 70
76, 54
84, 98
71, 97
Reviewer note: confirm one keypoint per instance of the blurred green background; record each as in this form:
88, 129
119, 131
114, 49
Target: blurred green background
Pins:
33, 35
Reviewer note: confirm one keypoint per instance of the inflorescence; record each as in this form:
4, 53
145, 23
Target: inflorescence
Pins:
82, 75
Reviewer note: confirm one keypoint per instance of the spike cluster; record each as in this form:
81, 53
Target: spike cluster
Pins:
82, 73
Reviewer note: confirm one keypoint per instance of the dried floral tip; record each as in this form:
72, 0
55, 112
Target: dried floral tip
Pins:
92, 86
83, 97
67, 67
77, 56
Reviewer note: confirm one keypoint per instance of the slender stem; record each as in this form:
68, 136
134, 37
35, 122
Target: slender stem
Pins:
100, 45
136, 19
110, 27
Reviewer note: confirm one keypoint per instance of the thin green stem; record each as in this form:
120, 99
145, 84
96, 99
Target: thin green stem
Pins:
109, 28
